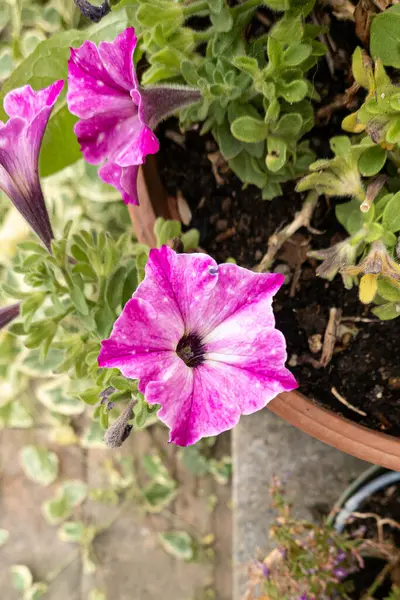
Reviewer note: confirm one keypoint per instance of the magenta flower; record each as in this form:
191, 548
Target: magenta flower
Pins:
116, 113
201, 340
20, 141
8, 314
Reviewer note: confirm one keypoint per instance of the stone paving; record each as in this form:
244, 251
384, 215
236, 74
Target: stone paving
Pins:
133, 566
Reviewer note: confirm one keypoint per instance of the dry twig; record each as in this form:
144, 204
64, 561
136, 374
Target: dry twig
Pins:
347, 403
276, 241
330, 336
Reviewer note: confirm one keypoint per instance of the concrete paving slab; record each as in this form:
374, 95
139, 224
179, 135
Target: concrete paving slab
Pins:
315, 475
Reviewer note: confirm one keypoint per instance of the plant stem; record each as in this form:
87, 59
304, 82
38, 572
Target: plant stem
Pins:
378, 581
203, 36
16, 27
58, 570
276, 241
194, 8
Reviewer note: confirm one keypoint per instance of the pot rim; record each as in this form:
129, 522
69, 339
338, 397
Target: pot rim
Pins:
373, 446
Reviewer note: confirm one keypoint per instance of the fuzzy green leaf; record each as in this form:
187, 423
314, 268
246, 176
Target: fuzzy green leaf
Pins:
385, 36
248, 129
391, 214
388, 311
372, 161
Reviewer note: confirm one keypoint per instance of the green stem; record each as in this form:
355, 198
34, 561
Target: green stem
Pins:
58, 570
194, 8
16, 28
203, 36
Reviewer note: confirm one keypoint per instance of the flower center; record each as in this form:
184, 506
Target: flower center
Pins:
190, 349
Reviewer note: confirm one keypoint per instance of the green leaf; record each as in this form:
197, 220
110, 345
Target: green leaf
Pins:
249, 130
69, 495
130, 285
289, 125
391, 214
177, 543
72, 532
340, 145
248, 170
288, 29
158, 496
169, 231
228, 145
293, 91
393, 133
375, 232
90, 396
47, 63
247, 64
189, 73
276, 156
296, 54
385, 36
349, 215
372, 161
190, 239
387, 312
387, 290
21, 577
39, 464
54, 397
4, 535
115, 287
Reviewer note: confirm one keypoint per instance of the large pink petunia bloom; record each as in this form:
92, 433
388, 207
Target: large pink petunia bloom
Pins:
117, 114
20, 140
201, 339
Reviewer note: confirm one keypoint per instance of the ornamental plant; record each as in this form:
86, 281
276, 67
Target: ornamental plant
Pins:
192, 325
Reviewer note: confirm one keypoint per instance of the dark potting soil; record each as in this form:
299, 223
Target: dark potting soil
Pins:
236, 222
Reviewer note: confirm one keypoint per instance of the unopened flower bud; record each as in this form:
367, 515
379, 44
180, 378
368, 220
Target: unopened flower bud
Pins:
119, 431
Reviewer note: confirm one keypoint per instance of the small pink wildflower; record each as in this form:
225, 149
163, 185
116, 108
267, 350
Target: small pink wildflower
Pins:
117, 114
201, 339
20, 140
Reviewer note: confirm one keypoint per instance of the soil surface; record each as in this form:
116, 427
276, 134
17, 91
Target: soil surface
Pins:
236, 222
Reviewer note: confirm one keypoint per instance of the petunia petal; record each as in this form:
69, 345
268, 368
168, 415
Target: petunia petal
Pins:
209, 399
238, 293
20, 142
117, 59
180, 281
91, 90
26, 103
140, 341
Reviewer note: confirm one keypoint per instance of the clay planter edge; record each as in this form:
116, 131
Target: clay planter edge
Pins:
333, 429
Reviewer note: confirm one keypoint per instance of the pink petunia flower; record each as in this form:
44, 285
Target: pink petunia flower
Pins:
117, 114
201, 339
20, 141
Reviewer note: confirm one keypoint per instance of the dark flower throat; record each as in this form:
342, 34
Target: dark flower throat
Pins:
191, 350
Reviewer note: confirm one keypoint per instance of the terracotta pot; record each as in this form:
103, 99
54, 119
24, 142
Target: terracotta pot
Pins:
373, 446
